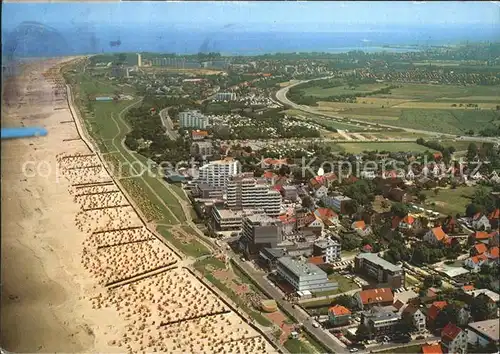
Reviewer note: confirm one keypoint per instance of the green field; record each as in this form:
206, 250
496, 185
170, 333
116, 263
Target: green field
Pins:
450, 201
192, 248
342, 90
108, 128
345, 284
358, 147
419, 106
297, 346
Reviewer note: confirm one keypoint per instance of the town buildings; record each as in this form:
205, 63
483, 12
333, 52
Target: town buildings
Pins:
304, 276
383, 272
244, 192
225, 96
193, 119
374, 297
380, 321
216, 173
202, 148
453, 339
328, 248
229, 220
339, 315
484, 333
259, 231
205, 191
416, 317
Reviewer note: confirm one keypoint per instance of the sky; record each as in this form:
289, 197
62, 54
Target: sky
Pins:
246, 15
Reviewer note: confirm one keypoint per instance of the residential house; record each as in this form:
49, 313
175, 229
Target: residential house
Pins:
374, 297
494, 219
433, 312
415, 317
431, 349
492, 254
480, 222
435, 236
339, 315
320, 192
361, 228
478, 248
453, 339
450, 225
312, 224
475, 262
491, 298
327, 216
481, 236
399, 195
410, 223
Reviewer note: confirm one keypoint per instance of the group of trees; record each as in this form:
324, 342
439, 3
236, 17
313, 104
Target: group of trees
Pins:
446, 151
482, 201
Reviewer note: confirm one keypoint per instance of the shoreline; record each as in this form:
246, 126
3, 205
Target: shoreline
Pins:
82, 255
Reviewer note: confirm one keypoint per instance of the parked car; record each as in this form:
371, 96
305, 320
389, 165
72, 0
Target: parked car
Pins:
315, 324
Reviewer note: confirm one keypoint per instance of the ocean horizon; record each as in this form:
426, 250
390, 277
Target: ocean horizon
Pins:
46, 41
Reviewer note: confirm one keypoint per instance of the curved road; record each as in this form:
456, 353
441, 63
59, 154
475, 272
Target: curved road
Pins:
281, 96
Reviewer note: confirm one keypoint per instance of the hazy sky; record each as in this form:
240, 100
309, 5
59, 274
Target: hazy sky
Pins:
313, 16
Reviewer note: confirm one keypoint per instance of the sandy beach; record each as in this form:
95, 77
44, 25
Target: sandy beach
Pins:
80, 271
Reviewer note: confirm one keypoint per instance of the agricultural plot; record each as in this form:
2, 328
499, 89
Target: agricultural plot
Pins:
359, 147
443, 107
342, 90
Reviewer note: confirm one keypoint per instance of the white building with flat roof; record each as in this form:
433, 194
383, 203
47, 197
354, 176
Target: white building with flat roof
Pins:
216, 173
245, 191
483, 333
193, 119
304, 276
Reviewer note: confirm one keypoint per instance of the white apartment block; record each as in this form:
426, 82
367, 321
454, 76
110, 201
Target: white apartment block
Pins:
246, 192
216, 173
193, 119
329, 248
225, 96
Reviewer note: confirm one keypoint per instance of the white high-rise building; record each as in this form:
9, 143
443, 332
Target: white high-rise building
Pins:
246, 192
225, 96
193, 119
139, 60
216, 173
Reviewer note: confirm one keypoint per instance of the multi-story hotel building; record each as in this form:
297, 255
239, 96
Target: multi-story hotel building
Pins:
216, 173
246, 192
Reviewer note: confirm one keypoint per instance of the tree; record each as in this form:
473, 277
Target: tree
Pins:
363, 332
471, 151
479, 309
307, 202
436, 191
421, 197
471, 210
346, 301
350, 242
399, 209
284, 170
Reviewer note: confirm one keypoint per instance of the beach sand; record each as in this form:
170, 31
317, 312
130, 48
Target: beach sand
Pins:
70, 281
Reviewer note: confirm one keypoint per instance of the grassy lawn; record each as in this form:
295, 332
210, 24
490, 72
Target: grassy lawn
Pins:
359, 147
450, 201
299, 346
345, 284
179, 191
410, 349
192, 248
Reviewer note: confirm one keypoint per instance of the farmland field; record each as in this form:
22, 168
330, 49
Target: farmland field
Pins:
358, 147
450, 201
442, 107
342, 90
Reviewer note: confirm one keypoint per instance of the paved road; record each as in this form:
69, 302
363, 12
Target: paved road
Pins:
168, 124
281, 96
323, 336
